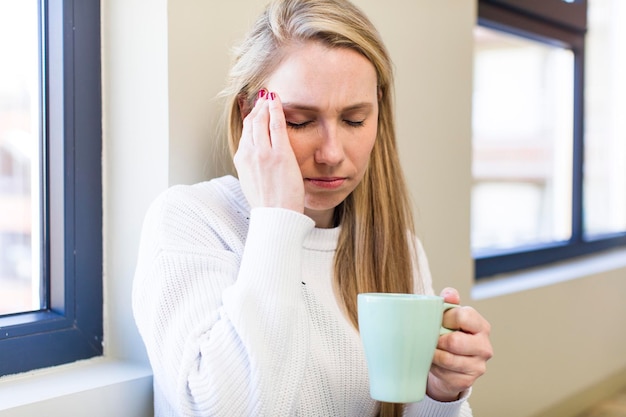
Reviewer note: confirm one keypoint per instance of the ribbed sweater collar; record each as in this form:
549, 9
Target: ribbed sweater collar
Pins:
322, 239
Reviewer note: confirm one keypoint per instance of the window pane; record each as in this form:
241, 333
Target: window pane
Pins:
522, 141
19, 157
605, 124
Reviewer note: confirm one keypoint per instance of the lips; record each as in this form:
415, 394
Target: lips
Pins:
329, 183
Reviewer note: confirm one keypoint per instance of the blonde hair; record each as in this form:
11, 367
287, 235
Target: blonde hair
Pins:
376, 250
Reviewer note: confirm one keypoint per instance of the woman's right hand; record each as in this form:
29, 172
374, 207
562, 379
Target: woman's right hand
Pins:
266, 164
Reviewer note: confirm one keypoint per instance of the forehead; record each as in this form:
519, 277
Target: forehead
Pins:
314, 72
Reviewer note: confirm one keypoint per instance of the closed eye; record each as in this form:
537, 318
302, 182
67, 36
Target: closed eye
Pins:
298, 125
354, 123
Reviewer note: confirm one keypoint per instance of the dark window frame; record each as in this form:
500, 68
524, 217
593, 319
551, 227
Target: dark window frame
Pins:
69, 326
563, 24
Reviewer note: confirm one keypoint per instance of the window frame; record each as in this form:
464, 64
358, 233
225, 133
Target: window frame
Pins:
69, 327
563, 24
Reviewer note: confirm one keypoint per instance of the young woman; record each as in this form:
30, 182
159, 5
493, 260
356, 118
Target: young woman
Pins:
245, 289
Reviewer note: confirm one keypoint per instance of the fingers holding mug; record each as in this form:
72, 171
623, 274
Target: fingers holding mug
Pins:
461, 356
466, 319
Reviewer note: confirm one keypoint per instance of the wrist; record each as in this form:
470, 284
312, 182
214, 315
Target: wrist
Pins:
438, 392
443, 397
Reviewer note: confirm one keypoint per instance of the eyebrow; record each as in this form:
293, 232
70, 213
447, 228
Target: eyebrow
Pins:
304, 107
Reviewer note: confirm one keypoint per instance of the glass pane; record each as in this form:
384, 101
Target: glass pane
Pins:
522, 141
19, 156
605, 124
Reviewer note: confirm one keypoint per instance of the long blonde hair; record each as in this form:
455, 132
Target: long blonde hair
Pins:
375, 252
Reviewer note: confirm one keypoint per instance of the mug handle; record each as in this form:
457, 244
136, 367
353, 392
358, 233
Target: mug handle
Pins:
446, 307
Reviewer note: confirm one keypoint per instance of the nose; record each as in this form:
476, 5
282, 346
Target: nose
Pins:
330, 148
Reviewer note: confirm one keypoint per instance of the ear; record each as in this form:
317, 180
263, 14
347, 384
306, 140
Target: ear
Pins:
244, 105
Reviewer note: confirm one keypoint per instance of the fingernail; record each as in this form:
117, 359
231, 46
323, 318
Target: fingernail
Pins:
262, 93
272, 96
446, 292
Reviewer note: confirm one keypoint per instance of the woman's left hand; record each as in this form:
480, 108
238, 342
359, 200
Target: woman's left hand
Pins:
461, 356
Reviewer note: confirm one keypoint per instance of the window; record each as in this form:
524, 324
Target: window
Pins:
549, 145
50, 183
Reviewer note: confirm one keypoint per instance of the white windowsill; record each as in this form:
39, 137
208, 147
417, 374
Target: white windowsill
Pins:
32, 387
581, 267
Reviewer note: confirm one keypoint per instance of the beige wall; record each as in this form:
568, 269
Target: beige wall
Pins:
163, 62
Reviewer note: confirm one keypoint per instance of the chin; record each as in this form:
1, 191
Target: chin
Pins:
321, 204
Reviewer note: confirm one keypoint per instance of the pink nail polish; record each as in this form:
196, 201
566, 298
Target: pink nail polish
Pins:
262, 93
272, 96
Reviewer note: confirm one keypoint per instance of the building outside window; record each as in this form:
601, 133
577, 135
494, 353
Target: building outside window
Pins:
19, 156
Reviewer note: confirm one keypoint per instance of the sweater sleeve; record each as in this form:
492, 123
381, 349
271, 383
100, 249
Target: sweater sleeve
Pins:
431, 408
219, 329
424, 281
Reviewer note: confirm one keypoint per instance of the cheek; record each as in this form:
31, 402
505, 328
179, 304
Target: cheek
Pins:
363, 152
301, 149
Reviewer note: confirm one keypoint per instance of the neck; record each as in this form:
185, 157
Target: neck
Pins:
324, 219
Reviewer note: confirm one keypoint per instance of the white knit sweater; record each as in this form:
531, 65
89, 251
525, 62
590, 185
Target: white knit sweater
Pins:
237, 312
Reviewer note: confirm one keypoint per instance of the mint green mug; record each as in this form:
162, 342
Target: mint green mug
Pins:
399, 334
